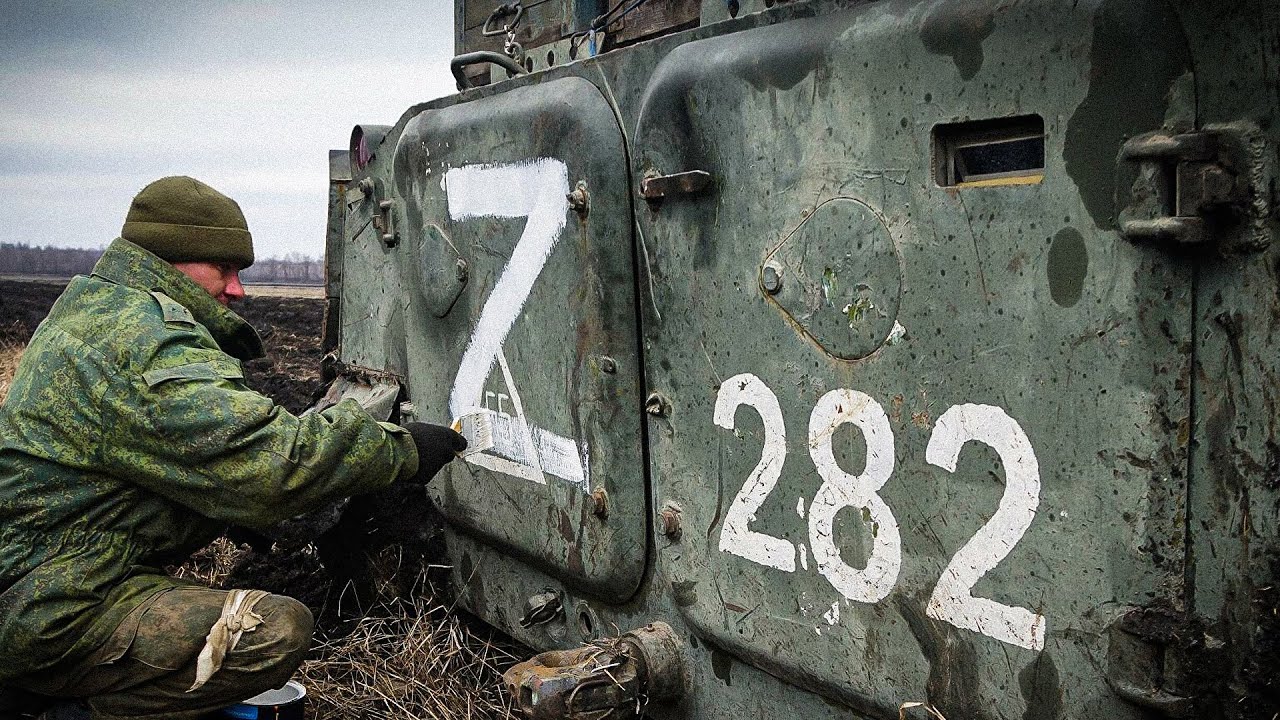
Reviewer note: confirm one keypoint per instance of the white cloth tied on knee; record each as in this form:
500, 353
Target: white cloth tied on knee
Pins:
237, 619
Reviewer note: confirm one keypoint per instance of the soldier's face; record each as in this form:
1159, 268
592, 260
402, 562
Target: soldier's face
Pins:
221, 280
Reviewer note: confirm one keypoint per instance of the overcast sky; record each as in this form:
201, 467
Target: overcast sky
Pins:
99, 98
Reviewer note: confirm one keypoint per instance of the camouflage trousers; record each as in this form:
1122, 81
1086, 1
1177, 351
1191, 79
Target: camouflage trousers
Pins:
145, 669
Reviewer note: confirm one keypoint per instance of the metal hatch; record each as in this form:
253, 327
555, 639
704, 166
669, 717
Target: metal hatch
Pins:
521, 304
944, 445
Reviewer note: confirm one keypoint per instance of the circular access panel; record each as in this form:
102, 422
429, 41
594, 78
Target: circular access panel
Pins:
838, 276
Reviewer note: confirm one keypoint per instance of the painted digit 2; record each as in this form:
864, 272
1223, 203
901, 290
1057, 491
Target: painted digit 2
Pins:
736, 537
537, 191
952, 600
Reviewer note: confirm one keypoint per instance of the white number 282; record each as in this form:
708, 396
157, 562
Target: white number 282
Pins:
952, 600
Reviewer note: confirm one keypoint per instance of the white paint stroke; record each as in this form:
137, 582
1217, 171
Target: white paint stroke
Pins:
559, 456
525, 437
535, 190
841, 489
952, 600
736, 536
832, 616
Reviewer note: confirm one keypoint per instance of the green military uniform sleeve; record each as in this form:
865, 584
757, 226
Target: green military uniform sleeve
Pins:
186, 427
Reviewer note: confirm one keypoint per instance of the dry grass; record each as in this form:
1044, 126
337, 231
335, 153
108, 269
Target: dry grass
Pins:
934, 713
211, 564
407, 657
10, 352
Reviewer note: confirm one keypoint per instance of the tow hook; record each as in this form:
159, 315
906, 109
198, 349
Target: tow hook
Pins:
616, 677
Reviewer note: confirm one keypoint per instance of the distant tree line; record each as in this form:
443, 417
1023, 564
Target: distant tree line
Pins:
22, 259
292, 269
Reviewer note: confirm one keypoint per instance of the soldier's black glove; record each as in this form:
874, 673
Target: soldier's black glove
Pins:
437, 445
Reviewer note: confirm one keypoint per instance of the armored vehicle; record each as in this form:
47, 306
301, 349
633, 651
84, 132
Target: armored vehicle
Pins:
843, 359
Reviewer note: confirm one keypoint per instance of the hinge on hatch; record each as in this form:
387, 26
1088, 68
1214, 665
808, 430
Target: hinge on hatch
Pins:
385, 222
1197, 188
1162, 660
371, 190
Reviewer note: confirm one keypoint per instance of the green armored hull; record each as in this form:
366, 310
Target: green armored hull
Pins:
885, 353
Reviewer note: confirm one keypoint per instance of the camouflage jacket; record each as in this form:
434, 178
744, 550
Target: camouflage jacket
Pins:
128, 440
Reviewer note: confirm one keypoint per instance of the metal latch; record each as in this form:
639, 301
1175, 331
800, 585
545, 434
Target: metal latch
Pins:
1189, 188
384, 221
1157, 657
542, 608
655, 187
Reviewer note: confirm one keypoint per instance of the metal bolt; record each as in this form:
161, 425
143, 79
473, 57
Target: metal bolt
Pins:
600, 498
670, 519
771, 276
406, 411
580, 199
460, 271
542, 608
656, 405
608, 364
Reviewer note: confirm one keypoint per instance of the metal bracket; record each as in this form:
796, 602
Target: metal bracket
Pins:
385, 223
656, 187
1151, 653
1188, 187
615, 678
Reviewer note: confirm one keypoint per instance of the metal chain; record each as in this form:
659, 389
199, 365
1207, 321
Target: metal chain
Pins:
512, 48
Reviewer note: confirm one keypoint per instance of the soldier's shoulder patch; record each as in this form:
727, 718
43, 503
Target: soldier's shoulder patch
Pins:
173, 310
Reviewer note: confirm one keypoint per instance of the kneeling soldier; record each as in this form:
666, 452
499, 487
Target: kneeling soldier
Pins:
128, 440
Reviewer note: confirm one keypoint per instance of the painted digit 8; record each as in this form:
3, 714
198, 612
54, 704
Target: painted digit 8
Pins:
840, 490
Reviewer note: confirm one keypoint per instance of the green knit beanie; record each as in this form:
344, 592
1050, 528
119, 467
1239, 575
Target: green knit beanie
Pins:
181, 219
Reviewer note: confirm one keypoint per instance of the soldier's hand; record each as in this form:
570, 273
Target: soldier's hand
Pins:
437, 445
